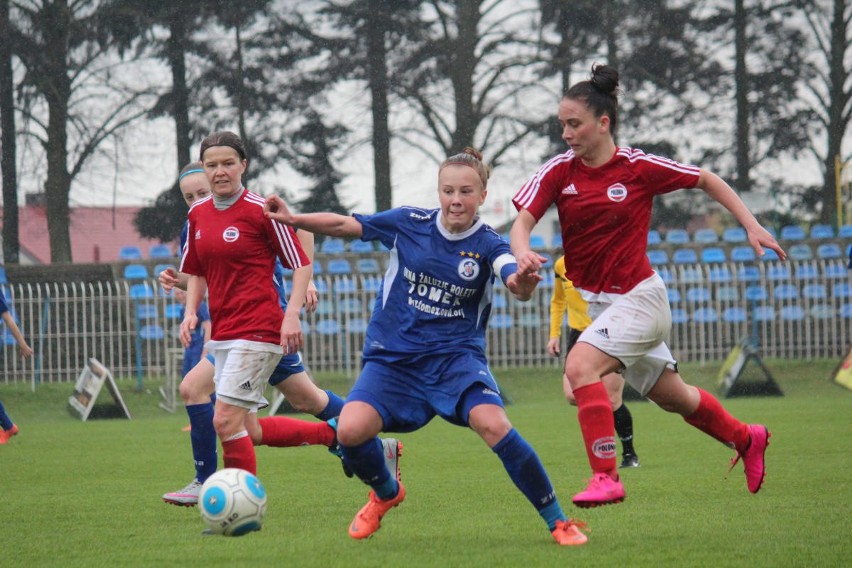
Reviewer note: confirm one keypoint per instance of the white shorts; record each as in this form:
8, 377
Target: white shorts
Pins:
633, 328
242, 369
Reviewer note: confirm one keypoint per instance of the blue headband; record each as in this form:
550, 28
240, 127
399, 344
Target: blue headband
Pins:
187, 172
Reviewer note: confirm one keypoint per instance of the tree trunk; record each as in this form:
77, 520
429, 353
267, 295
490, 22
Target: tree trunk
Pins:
837, 78
741, 85
461, 72
176, 48
378, 80
11, 243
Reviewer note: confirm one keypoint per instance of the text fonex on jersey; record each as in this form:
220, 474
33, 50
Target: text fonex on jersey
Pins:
436, 294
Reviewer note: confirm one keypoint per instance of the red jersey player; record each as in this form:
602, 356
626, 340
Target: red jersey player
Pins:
603, 195
231, 249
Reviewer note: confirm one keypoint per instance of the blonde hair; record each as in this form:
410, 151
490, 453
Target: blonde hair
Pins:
472, 158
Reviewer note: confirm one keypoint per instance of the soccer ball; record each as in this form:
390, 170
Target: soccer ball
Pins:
232, 502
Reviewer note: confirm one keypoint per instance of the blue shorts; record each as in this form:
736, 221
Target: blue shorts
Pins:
407, 395
288, 365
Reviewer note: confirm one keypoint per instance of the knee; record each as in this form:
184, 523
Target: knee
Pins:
225, 425
568, 391
491, 427
191, 393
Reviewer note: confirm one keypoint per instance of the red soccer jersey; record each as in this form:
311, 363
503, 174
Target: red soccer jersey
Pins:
235, 250
604, 213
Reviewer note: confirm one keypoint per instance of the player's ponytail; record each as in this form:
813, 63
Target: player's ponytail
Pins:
600, 93
472, 158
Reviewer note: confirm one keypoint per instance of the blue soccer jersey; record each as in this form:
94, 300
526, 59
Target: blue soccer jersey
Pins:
436, 294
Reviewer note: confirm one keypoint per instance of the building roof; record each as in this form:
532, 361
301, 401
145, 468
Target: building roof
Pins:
97, 234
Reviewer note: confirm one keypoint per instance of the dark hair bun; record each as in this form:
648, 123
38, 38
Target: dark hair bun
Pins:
604, 78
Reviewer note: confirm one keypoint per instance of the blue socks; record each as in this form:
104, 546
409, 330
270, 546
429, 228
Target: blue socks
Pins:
5, 421
526, 471
332, 409
203, 438
367, 461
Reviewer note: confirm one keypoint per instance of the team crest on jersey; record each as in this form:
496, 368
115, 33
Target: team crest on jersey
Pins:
197, 234
468, 268
231, 234
616, 192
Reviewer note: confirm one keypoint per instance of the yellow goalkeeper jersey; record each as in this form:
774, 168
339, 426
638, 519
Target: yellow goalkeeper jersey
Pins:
566, 297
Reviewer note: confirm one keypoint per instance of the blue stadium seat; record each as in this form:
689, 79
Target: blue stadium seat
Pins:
665, 274
748, 274
800, 251
556, 240
356, 325
151, 332
705, 315
548, 260
684, 256
350, 306
160, 267
367, 265
769, 254
821, 311
141, 291
835, 271
841, 290
674, 295
778, 272
322, 285
360, 246
720, 274
657, 256
160, 251
501, 321
734, 314
814, 291
345, 285
829, 250
546, 284
713, 254
339, 266
756, 293
792, 233
327, 326
845, 232
734, 235
845, 311
705, 236
679, 316
764, 313
792, 313
691, 274
371, 284
146, 311
677, 237
786, 292
728, 294
530, 319
136, 272
317, 267
537, 242
332, 245
743, 254
173, 311
498, 302
130, 252
807, 272
697, 295
654, 237
821, 231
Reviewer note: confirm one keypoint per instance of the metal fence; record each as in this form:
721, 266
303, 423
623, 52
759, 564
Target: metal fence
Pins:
798, 309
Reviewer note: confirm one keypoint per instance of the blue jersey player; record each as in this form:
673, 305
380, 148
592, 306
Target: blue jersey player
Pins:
424, 352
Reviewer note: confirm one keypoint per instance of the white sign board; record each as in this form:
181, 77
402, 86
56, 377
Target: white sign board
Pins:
88, 387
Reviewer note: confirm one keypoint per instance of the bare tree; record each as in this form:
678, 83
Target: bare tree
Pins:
11, 241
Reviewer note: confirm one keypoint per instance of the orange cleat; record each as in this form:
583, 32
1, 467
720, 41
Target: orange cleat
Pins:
568, 533
369, 518
6, 434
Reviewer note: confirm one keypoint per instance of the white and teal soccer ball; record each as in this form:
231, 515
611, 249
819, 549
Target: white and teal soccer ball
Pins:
232, 502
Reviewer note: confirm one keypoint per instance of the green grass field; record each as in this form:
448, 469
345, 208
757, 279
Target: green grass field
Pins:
88, 494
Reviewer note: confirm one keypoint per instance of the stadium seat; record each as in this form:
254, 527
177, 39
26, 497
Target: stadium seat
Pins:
135, 272
556, 241
821, 231
332, 245
356, 325
317, 267
146, 311
371, 284
705, 315
713, 254
684, 256
679, 316
654, 237
367, 266
792, 233
130, 252
537, 242
339, 266
756, 293
160, 267
786, 292
322, 285
325, 308
360, 246
691, 274
829, 250
705, 236
665, 274
814, 291
674, 295
821, 311
720, 274
734, 235
530, 319
748, 274
792, 313
152, 332
743, 254
677, 237
764, 313
769, 254
350, 306
160, 251
728, 294
345, 285
501, 321
806, 272
173, 311
734, 314
141, 291
697, 295
498, 302
835, 271
800, 251
657, 256
845, 232
845, 311
841, 290
549, 279
778, 272
327, 326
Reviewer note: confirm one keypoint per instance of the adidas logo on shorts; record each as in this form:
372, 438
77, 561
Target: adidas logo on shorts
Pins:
246, 386
603, 332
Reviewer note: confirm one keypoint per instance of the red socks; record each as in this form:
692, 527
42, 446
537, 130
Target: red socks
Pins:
284, 432
594, 411
711, 418
240, 453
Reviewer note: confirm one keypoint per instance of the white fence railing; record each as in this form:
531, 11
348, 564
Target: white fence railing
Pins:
793, 310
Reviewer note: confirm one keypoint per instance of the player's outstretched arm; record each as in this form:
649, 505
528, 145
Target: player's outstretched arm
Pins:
522, 285
26, 350
330, 224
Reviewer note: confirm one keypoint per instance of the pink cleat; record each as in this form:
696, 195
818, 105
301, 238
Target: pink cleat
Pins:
6, 434
753, 456
568, 533
602, 490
